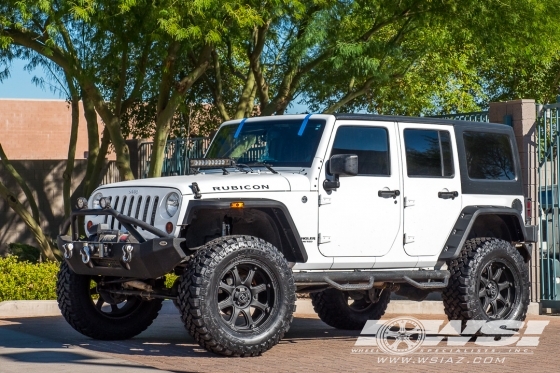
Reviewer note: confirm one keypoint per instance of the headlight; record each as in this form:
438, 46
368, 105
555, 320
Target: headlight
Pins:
172, 204
95, 201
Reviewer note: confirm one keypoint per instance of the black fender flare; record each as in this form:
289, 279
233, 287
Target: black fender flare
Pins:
280, 215
465, 223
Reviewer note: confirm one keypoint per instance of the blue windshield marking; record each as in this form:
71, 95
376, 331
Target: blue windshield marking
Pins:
239, 128
303, 124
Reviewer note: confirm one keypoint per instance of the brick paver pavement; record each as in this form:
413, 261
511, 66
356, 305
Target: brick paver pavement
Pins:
310, 345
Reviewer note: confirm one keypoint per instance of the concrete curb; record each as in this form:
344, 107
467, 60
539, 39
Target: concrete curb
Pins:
29, 308
42, 308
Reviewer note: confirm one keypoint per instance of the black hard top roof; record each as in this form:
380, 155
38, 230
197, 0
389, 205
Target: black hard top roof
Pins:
428, 120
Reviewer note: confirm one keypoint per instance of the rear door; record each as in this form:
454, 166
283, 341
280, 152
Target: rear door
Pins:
432, 186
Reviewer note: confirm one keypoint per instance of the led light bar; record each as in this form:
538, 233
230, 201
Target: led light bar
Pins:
211, 162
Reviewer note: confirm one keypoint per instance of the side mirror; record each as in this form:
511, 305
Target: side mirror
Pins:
344, 164
341, 164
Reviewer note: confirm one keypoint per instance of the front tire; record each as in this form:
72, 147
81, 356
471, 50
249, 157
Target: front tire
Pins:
89, 313
333, 309
237, 296
489, 281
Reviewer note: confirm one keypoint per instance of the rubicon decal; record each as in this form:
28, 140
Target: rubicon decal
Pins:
241, 187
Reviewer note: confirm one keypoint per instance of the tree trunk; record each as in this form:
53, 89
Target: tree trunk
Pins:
67, 175
246, 96
28, 219
121, 149
93, 144
99, 162
163, 126
167, 105
42, 240
113, 124
22, 184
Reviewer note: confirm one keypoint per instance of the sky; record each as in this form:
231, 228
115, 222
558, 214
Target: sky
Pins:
19, 85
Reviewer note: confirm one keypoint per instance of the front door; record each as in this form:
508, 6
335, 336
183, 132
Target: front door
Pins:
362, 218
432, 187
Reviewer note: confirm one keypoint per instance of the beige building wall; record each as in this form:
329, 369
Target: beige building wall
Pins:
40, 129
35, 135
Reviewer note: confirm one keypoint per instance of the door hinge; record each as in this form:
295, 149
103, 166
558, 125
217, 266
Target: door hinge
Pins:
323, 239
408, 202
324, 200
408, 239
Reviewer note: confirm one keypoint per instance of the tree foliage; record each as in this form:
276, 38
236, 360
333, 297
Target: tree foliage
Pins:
396, 57
151, 68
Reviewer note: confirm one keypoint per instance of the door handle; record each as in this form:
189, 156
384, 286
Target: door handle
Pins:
389, 193
447, 195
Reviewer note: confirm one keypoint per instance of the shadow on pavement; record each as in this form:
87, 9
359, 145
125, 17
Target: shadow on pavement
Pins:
167, 337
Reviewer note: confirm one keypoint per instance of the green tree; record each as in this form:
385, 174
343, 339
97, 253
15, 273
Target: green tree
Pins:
117, 51
395, 57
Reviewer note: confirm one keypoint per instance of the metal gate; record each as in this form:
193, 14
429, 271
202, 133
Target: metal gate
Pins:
548, 130
177, 154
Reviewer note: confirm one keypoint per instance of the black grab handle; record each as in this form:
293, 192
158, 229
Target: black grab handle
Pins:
389, 193
447, 195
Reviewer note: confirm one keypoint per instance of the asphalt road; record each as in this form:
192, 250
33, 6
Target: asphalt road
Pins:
45, 344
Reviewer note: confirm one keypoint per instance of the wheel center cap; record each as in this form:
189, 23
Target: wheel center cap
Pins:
492, 289
241, 296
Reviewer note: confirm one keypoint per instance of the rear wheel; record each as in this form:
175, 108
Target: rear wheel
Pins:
96, 312
334, 309
489, 281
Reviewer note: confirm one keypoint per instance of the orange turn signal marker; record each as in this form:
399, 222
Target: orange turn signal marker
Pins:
237, 205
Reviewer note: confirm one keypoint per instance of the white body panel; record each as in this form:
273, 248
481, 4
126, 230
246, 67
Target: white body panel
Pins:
355, 224
428, 219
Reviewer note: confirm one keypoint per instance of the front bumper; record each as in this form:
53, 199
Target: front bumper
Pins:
143, 259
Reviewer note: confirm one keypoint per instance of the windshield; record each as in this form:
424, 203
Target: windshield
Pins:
292, 142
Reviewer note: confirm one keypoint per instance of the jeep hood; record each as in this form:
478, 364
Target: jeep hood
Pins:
213, 183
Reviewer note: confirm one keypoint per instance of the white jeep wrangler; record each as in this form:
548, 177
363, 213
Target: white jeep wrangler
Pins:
348, 208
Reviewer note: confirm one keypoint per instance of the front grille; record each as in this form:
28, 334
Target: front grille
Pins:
156, 200
146, 206
139, 207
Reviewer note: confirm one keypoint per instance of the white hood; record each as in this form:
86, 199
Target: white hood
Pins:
235, 182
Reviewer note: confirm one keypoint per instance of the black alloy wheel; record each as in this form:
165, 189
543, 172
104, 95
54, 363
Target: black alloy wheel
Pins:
237, 296
246, 295
96, 312
489, 281
496, 289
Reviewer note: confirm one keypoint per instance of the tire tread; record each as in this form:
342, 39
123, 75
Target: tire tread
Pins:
197, 276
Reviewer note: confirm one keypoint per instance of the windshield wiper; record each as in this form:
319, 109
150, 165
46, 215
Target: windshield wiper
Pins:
242, 167
256, 164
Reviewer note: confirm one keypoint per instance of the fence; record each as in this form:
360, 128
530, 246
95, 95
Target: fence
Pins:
548, 130
475, 116
177, 154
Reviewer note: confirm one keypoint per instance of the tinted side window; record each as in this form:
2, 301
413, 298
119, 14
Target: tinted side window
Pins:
370, 144
428, 153
489, 156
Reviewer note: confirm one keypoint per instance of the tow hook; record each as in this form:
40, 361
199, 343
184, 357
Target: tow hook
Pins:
127, 253
68, 250
86, 255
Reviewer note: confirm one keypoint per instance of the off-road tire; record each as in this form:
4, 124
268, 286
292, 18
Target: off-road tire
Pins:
78, 308
332, 307
464, 297
204, 283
